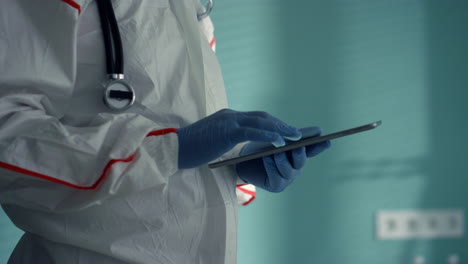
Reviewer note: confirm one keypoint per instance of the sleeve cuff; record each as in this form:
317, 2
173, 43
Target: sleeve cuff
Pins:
245, 192
164, 149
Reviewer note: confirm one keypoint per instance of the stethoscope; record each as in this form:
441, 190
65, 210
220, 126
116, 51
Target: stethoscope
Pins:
118, 94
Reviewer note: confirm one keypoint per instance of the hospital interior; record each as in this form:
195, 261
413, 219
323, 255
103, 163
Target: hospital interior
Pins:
394, 194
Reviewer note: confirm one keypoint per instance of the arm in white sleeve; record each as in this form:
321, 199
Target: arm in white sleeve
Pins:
45, 163
50, 166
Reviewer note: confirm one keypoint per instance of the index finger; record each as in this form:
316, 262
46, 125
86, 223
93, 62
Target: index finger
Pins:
243, 134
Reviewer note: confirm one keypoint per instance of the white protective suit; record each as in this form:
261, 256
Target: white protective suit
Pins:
88, 185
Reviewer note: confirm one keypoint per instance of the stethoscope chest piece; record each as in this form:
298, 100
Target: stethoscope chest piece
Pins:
119, 95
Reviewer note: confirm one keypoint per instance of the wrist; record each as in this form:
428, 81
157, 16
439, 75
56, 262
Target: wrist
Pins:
182, 157
239, 173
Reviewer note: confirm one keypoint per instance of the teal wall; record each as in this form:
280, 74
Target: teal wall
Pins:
9, 236
339, 64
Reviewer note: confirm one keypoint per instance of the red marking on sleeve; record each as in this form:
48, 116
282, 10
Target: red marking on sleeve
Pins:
73, 4
162, 132
212, 42
252, 193
99, 180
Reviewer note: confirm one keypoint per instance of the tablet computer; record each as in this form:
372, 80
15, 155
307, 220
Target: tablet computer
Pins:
305, 141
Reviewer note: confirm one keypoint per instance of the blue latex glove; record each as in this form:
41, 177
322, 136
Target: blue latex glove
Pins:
274, 173
212, 136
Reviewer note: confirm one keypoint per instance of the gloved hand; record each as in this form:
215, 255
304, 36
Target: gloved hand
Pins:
274, 173
212, 136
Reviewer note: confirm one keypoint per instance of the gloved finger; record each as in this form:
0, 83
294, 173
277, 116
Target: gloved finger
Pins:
252, 134
271, 124
266, 115
311, 131
314, 150
274, 181
261, 114
297, 157
285, 168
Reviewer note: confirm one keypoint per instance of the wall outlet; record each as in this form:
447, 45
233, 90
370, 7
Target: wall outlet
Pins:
419, 224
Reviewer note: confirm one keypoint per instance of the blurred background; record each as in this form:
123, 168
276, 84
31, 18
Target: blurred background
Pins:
340, 64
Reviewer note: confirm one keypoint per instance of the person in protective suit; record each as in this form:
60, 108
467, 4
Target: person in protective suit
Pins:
89, 184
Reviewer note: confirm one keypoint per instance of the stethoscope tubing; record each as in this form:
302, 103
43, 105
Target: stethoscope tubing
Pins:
118, 94
112, 39
208, 8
